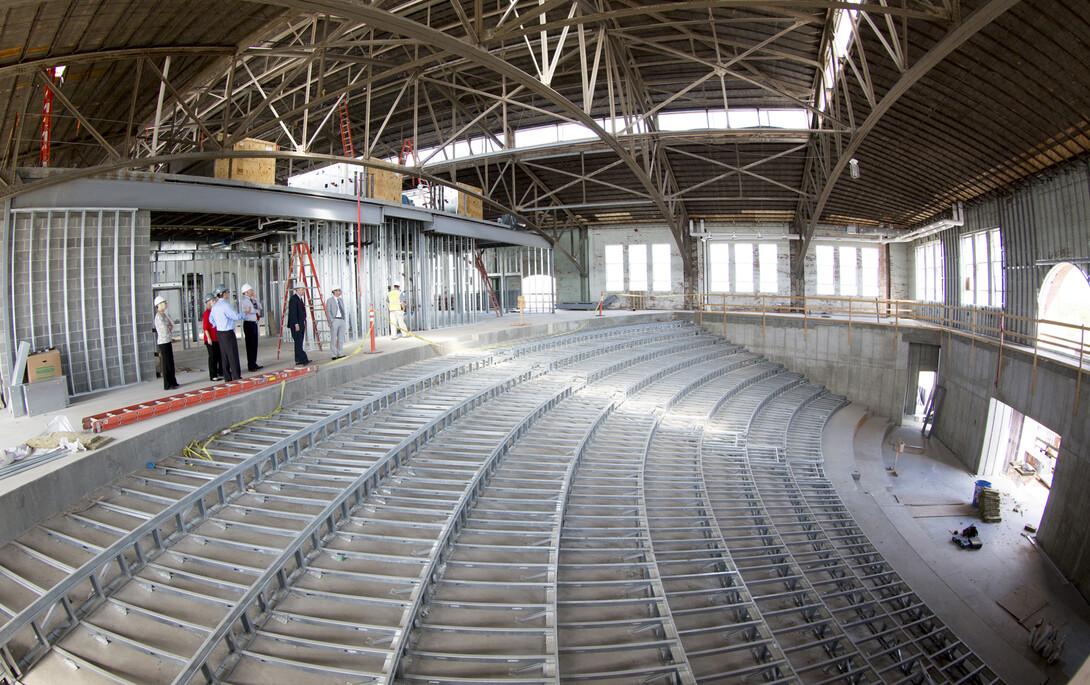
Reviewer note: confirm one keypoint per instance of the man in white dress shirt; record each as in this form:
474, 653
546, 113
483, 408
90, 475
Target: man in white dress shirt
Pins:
338, 322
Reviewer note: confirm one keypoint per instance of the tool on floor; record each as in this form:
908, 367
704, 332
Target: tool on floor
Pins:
969, 538
165, 405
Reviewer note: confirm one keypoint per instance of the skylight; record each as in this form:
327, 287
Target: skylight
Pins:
339, 177
843, 30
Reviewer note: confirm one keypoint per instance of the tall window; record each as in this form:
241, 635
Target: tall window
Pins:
981, 261
743, 267
637, 267
826, 269
662, 280
995, 255
766, 266
718, 267
849, 270
930, 271
615, 268
868, 258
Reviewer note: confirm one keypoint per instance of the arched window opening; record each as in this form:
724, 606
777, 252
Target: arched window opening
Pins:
1064, 299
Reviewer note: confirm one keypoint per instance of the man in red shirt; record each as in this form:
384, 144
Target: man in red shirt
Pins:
214, 371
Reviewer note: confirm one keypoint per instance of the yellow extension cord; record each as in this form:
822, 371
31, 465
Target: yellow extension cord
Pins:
200, 451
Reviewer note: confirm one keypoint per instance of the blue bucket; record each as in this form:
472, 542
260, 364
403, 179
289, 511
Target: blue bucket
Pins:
980, 485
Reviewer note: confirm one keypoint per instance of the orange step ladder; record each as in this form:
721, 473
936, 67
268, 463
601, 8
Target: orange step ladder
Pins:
301, 270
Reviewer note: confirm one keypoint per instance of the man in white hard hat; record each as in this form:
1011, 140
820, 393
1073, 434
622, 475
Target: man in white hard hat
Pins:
251, 314
338, 322
164, 337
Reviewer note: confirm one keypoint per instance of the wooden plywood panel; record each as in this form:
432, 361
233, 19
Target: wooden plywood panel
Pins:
245, 169
468, 205
383, 185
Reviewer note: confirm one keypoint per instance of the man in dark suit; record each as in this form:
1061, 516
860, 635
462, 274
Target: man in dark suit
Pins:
297, 322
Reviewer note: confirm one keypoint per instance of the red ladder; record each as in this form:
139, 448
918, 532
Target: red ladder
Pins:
408, 154
165, 405
346, 129
487, 281
306, 274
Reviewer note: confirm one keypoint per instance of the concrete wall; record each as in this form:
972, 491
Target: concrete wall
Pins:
968, 371
645, 234
866, 363
568, 280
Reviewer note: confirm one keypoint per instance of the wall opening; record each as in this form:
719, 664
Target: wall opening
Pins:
538, 293
925, 385
1023, 451
1064, 298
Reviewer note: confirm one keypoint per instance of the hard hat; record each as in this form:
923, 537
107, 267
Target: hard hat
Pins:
335, 288
220, 289
159, 299
246, 287
209, 296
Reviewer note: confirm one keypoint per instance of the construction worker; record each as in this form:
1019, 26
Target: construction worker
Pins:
397, 312
338, 322
223, 317
297, 322
164, 336
251, 314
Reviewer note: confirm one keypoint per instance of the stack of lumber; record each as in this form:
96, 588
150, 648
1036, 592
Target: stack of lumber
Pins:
989, 505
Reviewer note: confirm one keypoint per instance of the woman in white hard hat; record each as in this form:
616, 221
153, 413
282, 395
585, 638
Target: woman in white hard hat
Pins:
164, 336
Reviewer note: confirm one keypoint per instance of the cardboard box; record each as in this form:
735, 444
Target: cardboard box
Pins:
43, 366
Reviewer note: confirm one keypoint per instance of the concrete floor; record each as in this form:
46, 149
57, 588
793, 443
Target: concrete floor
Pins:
963, 587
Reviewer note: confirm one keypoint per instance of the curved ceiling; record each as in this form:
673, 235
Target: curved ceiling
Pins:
937, 100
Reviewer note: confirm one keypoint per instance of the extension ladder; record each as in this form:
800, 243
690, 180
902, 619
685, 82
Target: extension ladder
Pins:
301, 270
487, 281
165, 405
346, 129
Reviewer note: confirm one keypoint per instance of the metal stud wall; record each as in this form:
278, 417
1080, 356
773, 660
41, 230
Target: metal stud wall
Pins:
79, 282
186, 276
509, 266
436, 272
1042, 223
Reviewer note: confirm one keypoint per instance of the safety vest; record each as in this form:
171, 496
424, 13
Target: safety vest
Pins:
395, 300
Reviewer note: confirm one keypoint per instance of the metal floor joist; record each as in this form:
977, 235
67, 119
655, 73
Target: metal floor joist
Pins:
639, 504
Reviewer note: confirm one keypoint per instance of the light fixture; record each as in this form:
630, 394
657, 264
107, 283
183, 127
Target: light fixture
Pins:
853, 167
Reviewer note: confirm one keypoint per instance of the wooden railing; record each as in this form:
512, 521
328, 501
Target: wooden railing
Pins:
1064, 342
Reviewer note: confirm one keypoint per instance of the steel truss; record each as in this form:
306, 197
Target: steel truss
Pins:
452, 74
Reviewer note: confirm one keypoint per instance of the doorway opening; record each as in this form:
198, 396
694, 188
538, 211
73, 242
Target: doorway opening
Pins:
925, 385
539, 293
1022, 450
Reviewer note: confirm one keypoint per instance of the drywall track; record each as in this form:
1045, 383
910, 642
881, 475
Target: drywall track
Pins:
627, 505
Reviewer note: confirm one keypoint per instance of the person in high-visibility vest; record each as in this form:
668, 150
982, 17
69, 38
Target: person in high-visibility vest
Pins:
397, 312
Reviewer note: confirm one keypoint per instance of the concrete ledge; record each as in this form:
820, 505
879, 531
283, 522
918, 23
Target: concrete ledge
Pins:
31, 497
